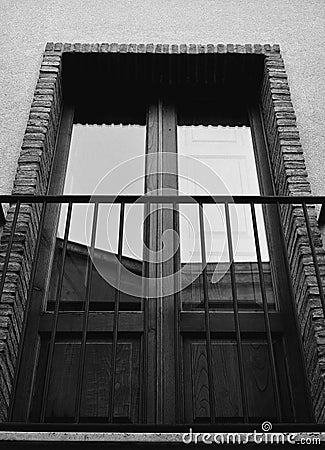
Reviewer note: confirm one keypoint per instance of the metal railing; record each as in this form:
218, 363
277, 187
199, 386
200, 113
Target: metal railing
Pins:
8, 241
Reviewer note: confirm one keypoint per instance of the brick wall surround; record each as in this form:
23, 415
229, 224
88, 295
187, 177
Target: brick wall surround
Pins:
290, 177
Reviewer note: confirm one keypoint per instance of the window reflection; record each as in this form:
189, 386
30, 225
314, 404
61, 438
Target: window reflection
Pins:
219, 160
103, 160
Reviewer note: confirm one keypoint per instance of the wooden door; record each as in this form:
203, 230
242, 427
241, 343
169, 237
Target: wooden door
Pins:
82, 359
243, 369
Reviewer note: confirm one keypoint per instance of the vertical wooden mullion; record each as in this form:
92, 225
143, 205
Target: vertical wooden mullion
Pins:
160, 178
151, 184
168, 338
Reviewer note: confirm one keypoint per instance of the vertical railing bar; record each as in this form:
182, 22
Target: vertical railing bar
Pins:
236, 316
266, 314
23, 333
315, 260
177, 308
9, 247
56, 315
207, 319
81, 368
116, 313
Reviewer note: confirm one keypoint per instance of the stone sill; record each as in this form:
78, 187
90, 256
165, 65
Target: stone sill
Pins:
111, 440
63, 436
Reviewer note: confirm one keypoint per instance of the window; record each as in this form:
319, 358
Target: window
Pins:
222, 345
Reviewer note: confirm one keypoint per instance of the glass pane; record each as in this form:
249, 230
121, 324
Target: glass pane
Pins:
111, 155
219, 160
109, 160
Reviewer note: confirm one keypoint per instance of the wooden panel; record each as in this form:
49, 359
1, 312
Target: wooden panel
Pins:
259, 380
95, 391
227, 385
123, 380
200, 383
228, 403
63, 381
95, 397
226, 376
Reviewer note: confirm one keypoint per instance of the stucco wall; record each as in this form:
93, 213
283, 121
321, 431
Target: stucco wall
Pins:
297, 25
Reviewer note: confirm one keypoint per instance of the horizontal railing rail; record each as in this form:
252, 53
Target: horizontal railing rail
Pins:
240, 199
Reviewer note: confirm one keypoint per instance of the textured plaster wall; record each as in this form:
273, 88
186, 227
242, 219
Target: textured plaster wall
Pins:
297, 25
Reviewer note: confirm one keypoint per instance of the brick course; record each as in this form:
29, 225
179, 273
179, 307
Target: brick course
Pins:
290, 178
